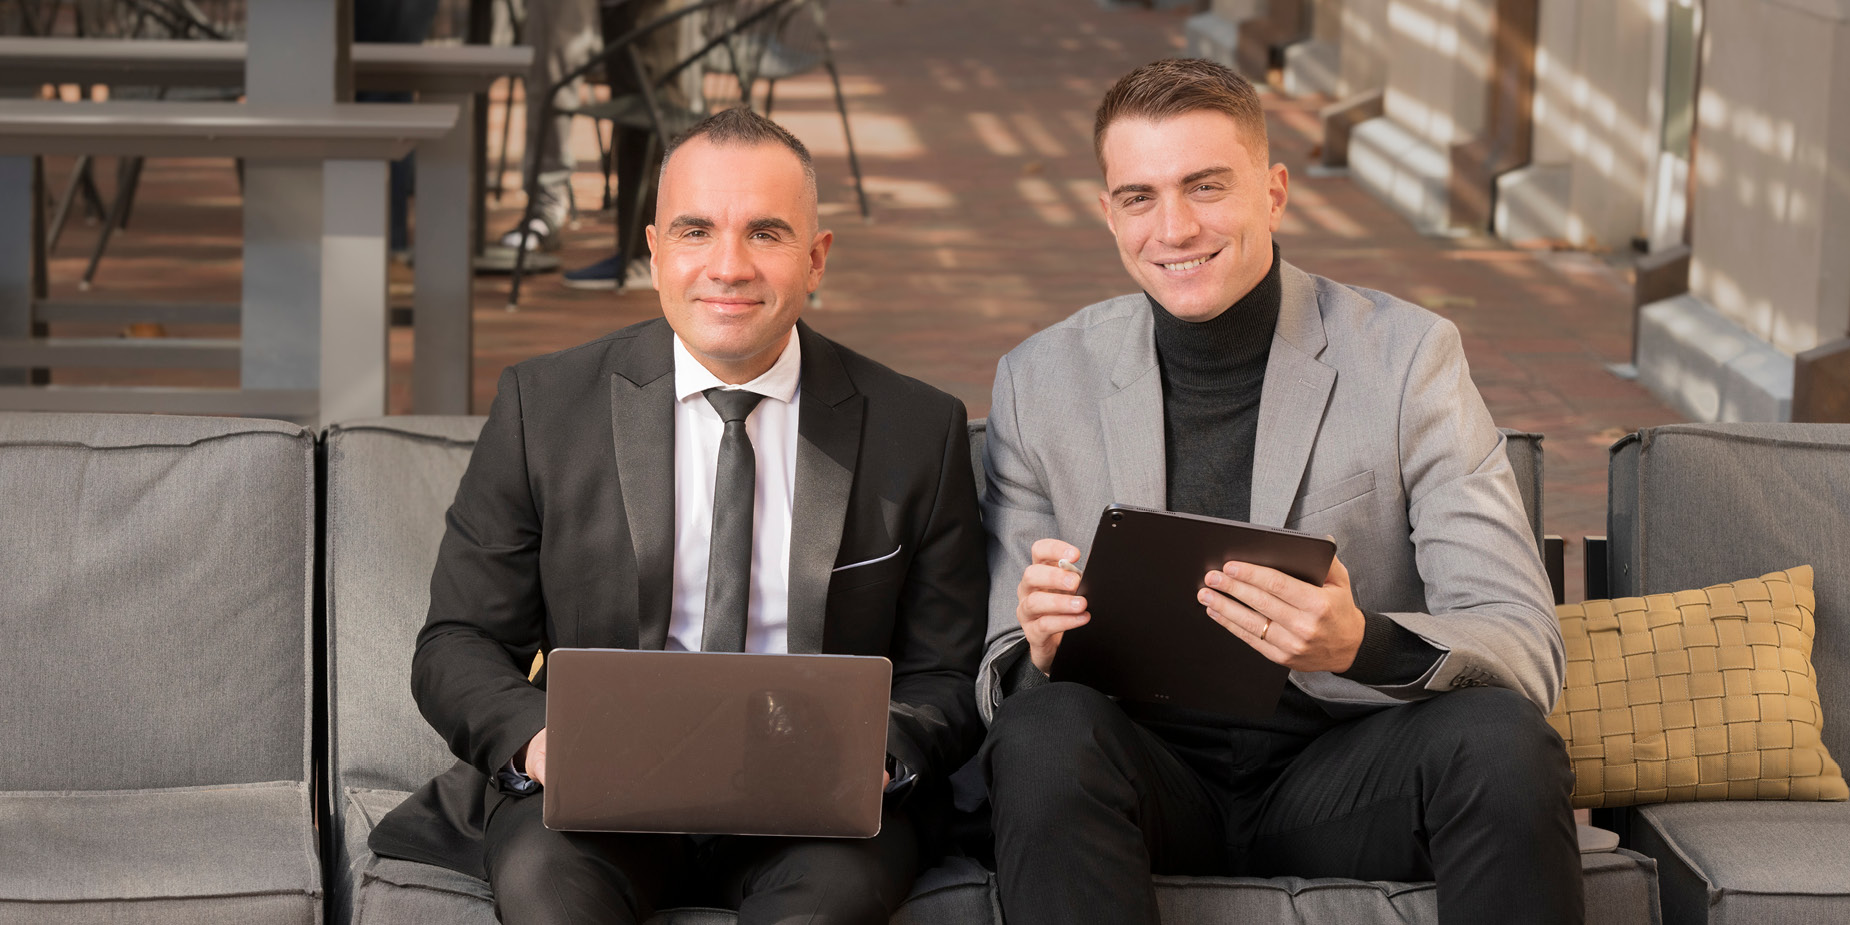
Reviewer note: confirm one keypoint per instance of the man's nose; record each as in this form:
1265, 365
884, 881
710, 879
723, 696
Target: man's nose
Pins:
1178, 225
731, 262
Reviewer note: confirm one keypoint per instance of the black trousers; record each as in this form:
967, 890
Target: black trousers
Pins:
543, 876
1470, 788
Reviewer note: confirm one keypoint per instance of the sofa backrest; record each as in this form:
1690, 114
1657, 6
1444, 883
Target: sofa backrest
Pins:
389, 482
1692, 505
156, 585
1524, 450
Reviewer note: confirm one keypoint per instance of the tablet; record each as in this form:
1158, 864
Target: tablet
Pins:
1149, 639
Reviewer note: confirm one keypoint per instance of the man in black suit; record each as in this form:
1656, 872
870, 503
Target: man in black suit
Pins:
595, 503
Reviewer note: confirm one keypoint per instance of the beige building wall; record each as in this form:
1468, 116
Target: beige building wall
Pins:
1613, 135
1596, 131
1361, 34
1438, 67
1771, 210
1438, 61
1557, 68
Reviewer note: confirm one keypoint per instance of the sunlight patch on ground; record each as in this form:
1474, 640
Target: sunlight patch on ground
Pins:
876, 135
907, 193
1036, 133
1046, 201
994, 135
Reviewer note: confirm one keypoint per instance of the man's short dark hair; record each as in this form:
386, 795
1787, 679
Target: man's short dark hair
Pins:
741, 126
1172, 86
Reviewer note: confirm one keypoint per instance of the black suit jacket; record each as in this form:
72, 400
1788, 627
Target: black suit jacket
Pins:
562, 534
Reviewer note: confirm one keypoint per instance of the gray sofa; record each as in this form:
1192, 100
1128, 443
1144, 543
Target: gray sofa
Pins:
156, 694
1694, 505
388, 482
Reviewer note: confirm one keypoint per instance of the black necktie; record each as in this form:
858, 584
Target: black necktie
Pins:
729, 559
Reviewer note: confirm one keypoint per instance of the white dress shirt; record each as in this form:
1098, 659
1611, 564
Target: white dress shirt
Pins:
698, 429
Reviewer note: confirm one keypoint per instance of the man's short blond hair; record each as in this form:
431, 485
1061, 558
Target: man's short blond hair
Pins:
1173, 86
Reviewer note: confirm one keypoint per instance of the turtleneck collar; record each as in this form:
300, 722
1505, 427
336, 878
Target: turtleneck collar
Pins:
1205, 354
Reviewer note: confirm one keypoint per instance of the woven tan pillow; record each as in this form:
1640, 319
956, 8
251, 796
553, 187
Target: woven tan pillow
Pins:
1696, 695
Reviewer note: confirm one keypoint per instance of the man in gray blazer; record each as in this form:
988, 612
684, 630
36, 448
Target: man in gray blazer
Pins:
1411, 742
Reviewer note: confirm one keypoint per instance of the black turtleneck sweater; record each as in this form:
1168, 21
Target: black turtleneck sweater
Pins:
1213, 372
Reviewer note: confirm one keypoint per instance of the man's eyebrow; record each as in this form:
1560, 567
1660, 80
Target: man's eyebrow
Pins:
1189, 180
690, 221
1203, 174
769, 224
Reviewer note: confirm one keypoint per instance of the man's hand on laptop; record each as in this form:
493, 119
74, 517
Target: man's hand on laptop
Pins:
1299, 625
1045, 603
532, 760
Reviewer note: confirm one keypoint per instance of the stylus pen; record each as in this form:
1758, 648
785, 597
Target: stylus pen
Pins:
1069, 566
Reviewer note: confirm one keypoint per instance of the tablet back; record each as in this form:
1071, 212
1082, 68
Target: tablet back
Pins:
1150, 639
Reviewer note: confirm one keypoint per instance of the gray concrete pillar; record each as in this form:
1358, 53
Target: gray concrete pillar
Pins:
353, 289
16, 204
443, 328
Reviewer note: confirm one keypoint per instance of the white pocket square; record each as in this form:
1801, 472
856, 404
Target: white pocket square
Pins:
843, 568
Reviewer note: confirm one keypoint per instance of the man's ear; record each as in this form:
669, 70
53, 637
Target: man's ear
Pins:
819, 256
1104, 207
648, 232
1278, 189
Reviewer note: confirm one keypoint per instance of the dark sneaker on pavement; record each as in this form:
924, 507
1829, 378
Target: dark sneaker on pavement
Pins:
603, 275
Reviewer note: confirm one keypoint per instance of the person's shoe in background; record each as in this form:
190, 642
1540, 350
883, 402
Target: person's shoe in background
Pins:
603, 275
541, 235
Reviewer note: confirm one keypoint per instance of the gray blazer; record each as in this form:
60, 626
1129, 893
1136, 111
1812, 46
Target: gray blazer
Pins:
1370, 431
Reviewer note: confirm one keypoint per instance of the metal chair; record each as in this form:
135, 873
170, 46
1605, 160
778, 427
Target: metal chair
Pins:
731, 25
212, 20
797, 45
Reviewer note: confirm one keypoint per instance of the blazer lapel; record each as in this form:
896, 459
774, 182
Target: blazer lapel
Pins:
1297, 388
642, 425
1131, 418
828, 447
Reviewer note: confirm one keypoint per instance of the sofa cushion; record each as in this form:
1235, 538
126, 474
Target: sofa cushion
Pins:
387, 891
1697, 695
1620, 890
165, 563
241, 853
1740, 863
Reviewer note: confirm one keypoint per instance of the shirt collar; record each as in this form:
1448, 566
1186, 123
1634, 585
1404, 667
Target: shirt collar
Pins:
778, 382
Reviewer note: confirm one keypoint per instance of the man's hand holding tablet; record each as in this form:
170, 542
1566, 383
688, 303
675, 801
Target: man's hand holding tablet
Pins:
1148, 647
1296, 624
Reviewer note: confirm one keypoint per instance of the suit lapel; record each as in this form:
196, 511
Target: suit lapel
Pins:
1297, 388
828, 447
1131, 418
642, 424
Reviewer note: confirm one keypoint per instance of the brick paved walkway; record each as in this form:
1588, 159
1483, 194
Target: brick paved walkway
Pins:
973, 124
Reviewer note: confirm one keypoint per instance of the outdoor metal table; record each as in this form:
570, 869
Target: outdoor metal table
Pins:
447, 174
353, 142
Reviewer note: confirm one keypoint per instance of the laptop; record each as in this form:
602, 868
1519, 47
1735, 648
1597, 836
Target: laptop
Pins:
715, 742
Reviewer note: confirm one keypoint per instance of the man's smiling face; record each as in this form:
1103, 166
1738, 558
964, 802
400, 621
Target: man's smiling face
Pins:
735, 252
1193, 209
